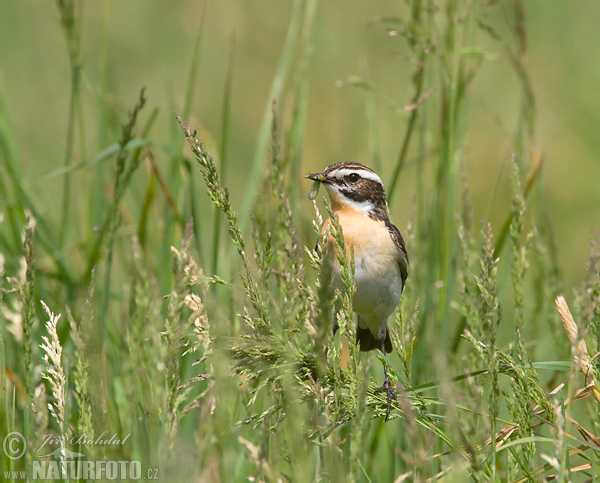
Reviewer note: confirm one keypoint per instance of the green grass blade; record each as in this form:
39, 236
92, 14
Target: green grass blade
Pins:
275, 95
223, 151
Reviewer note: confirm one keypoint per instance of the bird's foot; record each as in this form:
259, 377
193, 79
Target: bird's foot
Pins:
391, 394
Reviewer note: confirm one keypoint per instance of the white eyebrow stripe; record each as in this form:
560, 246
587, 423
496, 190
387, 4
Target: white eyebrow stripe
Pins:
363, 173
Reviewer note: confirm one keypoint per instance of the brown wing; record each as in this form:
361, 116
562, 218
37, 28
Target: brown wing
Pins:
399, 241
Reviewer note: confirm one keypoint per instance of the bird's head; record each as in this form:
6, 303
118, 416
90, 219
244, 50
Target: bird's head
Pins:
354, 186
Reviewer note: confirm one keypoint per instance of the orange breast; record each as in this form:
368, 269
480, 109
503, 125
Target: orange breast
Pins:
370, 238
377, 273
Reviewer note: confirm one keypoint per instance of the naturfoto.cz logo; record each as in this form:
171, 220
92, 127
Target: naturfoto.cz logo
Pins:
87, 470
63, 463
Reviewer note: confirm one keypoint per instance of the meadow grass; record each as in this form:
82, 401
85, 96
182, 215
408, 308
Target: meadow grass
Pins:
213, 355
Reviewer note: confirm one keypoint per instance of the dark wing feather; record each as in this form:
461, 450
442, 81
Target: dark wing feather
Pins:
399, 241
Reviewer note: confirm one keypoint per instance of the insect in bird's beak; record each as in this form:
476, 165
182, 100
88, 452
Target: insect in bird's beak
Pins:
317, 178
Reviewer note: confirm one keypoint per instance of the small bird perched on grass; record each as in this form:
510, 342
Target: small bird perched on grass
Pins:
380, 260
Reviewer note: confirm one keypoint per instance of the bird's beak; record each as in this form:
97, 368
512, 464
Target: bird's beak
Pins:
320, 177
317, 179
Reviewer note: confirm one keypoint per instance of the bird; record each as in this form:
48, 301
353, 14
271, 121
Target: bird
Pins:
358, 199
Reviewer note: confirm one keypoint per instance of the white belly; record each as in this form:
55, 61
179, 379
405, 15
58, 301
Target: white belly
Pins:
376, 270
378, 291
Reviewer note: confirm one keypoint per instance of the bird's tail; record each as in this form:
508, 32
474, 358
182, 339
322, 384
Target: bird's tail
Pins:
368, 342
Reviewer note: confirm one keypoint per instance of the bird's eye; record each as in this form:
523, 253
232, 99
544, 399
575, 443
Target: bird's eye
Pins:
353, 178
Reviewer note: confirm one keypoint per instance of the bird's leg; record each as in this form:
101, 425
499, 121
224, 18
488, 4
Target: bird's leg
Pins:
387, 385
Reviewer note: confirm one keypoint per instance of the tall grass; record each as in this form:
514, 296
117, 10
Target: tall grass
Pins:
213, 356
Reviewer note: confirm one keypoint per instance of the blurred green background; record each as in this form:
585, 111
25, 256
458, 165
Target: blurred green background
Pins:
530, 82
127, 45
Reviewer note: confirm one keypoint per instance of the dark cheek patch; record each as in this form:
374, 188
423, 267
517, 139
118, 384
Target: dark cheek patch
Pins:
354, 195
363, 190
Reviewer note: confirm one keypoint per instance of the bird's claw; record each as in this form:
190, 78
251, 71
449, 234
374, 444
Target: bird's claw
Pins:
391, 394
